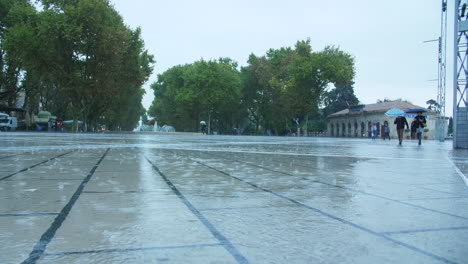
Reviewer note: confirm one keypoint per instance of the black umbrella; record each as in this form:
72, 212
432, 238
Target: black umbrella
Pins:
415, 110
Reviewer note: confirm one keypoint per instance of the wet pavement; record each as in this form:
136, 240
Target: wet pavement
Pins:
111, 198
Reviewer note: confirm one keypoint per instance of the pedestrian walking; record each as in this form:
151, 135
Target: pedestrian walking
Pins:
386, 132
420, 121
296, 124
400, 123
374, 131
203, 127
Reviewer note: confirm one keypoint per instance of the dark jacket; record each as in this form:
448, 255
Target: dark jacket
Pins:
414, 126
420, 121
401, 122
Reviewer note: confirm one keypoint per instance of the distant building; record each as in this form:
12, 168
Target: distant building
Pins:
357, 120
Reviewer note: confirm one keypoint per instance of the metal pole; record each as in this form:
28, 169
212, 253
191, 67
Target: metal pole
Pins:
441, 91
455, 70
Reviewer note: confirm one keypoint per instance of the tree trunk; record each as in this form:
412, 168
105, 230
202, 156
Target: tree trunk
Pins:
306, 125
209, 123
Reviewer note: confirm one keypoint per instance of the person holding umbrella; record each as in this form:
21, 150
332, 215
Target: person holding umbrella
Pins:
203, 127
420, 122
400, 122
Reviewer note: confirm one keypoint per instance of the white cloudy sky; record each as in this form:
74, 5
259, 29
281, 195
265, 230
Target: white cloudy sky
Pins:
385, 37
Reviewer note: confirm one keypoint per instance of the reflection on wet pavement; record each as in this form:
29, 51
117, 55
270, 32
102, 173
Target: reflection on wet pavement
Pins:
115, 198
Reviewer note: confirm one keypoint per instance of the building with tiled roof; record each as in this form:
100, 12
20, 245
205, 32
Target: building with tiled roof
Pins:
357, 120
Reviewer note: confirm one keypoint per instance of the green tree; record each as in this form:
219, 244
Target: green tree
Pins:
338, 99
13, 13
171, 104
288, 83
133, 70
312, 73
262, 89
204, 90
83, 63
433, 105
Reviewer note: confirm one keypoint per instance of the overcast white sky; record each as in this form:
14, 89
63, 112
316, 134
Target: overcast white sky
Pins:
385, 37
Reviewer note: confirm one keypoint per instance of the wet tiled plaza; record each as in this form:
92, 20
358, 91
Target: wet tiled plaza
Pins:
155, 198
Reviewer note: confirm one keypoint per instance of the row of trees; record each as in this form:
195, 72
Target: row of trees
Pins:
265, 95
74, 58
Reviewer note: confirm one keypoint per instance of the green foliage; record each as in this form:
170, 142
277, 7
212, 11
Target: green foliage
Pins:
79, 61
317, 125
292, 82
13, 13
338, 99
265, 95
262, 90
204, 90
433, 105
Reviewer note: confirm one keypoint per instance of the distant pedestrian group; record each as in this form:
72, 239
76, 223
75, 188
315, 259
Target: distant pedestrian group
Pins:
417, 127
384, 131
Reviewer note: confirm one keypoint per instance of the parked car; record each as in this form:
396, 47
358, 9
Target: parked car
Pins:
3, 121
7, 122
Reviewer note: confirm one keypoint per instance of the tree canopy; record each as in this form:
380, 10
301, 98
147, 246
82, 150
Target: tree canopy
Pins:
203, 90
433, 105
263, 95
76, 59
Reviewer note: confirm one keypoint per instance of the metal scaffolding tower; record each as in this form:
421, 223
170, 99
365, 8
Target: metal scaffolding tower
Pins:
441, 121
460, 75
